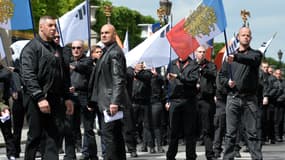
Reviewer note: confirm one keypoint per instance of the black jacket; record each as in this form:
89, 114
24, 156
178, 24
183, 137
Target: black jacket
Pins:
80, 75
184, 85
43, 70
139, 85
207, 79
5, 83
244, 70
108, 81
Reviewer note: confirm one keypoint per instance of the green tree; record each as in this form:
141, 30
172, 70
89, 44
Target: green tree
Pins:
123, 19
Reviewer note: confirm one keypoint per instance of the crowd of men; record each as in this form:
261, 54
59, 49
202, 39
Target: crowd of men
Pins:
60, 88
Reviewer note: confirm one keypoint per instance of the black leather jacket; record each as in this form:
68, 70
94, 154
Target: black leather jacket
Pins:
80, 75
108, 81
43, 70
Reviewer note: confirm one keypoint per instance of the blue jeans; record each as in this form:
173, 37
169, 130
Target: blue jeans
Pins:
243, 109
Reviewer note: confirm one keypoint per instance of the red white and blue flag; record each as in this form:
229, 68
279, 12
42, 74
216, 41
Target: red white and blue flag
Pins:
203, 24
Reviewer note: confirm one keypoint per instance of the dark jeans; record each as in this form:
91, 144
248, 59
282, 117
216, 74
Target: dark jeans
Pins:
207, 109
143, 118
183, 120
243, 109
89, 147
279, 119
42, 129
157, 119
113, 140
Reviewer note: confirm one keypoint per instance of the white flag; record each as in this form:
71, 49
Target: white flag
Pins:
74, 24
153, 51
234, 45
126, 43
2, 51
265, 45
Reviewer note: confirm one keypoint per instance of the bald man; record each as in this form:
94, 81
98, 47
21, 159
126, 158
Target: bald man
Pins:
109, 91
241, 81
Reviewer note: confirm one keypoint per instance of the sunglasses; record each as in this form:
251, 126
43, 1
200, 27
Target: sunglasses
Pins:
56, 37
76, 47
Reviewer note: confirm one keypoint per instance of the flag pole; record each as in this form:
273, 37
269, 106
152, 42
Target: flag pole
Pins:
227, 49
59, 31
30, 6
88, 24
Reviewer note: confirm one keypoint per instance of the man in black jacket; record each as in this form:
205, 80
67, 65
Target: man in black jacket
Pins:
110, 93
240, 76
45, 78
206, 105
140, 91
5, 125
81, 68
181, 92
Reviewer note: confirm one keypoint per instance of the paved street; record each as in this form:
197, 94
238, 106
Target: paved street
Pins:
270, 152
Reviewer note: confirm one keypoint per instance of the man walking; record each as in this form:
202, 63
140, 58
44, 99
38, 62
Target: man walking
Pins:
45, 78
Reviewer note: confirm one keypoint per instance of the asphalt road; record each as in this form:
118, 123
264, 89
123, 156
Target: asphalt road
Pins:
270, 152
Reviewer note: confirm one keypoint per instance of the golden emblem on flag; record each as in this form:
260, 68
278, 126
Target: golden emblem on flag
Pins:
6, 10
201, 21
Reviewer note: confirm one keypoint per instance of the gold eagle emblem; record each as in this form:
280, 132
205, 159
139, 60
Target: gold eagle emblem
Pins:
6, 10
201, 21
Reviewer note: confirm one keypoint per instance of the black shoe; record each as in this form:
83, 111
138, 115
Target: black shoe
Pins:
211, 158
160, 150
134, 154
152, 150
237, 154
272, 141
60, 151
17, 155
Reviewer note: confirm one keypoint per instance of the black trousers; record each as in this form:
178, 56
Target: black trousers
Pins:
220, 126
89, 147
183, 120
42, 129
129, 129
8, 137
65, 128
18, 114
279, 111
268, 122
157, 120
113, 140
143, 122
207, 109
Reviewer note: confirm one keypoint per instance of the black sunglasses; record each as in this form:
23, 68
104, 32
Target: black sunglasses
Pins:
76, 47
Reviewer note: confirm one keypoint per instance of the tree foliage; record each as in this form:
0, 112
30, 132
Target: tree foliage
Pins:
123, 19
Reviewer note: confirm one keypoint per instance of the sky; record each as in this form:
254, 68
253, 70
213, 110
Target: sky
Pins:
266, 18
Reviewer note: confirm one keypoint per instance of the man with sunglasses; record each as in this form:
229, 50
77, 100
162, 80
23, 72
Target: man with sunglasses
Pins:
80, 70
